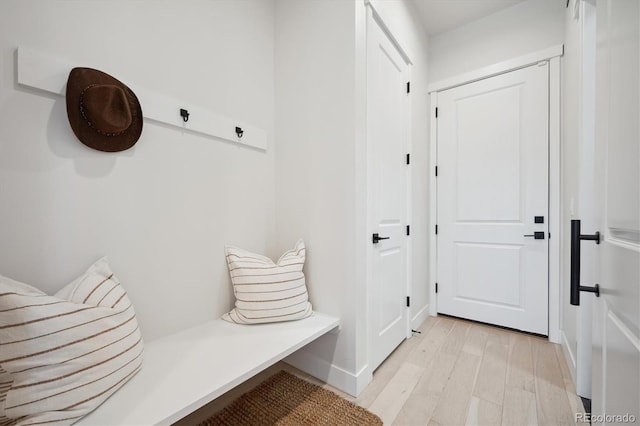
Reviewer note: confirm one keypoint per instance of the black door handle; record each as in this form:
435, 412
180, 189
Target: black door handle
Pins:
576, 288
538, 235
376, 238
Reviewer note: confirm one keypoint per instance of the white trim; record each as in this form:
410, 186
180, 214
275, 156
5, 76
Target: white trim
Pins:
625, 244
433, 207
369, 221
498, 68
624, 330
361, 229
568, 355
338, 377
554, 192
419, 317
409, 204
406, 55
555, 213
584, 347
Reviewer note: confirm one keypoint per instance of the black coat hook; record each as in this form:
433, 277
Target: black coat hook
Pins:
239, 132
184, 114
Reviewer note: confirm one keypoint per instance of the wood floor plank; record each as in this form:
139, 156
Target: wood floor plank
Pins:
483, 412
520, 365
456, 338
425, 396
493, 370
430, 344
519, 408
390, 401
552, 404
454, 403
476, 340
390, 366
417, 410
420, 405
436, 374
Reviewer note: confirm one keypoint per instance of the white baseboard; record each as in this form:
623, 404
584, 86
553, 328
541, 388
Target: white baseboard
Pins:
351, 383
419, 317
569, 356
338, 377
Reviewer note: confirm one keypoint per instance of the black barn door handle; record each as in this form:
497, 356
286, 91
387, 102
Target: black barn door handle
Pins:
576, 237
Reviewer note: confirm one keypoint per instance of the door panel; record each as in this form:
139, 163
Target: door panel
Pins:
616, 313
487, 157
621, 360
492, 182
473, 276
387, 120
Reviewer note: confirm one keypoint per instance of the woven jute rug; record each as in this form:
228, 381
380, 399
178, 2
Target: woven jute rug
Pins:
287, 400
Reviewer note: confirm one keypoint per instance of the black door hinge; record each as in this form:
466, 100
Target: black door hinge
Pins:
408, 301
408, 87
436, 112
436, 229
436, 287
436, 171
408, 230
408, 158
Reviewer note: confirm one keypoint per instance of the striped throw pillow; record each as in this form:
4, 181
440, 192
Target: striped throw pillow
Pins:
61, 356
267, 291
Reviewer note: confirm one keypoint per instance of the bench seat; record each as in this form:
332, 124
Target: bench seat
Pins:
184, 371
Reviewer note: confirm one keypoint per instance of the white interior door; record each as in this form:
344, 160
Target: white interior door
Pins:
492, 184
387, 120
616, 324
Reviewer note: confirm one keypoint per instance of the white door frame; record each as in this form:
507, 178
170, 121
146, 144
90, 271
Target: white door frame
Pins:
372, 12
587, 203
552, 55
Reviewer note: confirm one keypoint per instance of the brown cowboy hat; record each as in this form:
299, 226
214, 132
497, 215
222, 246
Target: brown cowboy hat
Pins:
103, 112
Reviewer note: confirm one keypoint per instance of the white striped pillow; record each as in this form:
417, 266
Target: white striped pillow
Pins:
267, 291
65, 354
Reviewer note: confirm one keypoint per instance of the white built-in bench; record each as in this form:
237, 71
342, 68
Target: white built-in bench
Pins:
184, 371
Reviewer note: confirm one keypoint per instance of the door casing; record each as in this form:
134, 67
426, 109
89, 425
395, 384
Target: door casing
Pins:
553, 56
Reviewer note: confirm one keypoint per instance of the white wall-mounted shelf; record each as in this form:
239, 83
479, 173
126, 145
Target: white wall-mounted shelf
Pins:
48, 73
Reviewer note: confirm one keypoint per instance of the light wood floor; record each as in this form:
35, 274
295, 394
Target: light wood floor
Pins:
458, 372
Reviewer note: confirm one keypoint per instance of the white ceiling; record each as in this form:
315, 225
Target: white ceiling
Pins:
443, 15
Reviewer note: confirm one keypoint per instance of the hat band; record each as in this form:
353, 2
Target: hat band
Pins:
84, 115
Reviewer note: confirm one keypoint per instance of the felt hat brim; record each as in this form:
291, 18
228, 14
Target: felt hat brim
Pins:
79, 80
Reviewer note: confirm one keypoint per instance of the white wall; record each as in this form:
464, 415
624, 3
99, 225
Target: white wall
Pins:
163, 210
524, 28
321, 166
315, 162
